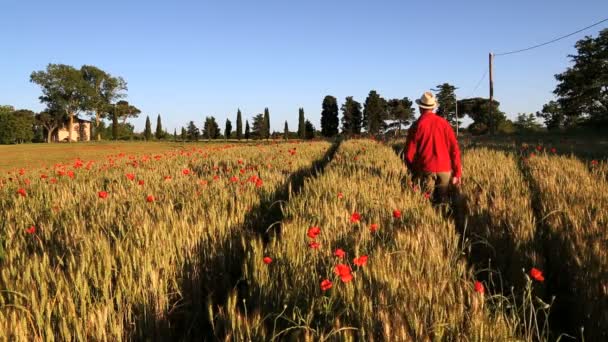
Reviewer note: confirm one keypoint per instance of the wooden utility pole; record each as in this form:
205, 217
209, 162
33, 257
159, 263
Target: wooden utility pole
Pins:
491, 72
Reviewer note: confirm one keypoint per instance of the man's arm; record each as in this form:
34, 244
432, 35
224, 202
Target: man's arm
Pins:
410, 147
454, 152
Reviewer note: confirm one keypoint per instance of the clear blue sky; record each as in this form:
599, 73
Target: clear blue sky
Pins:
189, 59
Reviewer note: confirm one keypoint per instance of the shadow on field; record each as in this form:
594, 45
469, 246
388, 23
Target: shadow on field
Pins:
206, 285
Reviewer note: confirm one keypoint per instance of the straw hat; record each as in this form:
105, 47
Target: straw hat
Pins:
427, 101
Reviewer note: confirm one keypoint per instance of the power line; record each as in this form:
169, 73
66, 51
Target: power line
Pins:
551, 41
478, 83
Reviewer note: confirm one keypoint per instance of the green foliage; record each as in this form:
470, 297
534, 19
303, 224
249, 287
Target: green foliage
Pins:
351, 116
247, 130
583, 88
265, 133
148, 129
329, 117
51, 119
185, 133
101, 92
239, 125
286, 131
507, 127
16, 127
309, 130
401, 111
447, 103
123, 110
258, 127
374, 113
553, 115
193, 133
211, 130
228, 129
122, 131
301, 124
175, 134
486, 119
527, 123
159, 134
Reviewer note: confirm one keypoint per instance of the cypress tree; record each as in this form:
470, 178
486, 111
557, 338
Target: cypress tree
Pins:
247, 131
286, 131
175, 134
148, 130
266, 132
184, 134
329, 117
301, 124
228, 129
159, 128
351, 116
239, 125
374, 113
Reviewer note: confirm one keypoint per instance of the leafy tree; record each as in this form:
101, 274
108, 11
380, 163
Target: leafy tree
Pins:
401, 111
228, 129
247, 130
286, 131
329, 117
122, 131
148, 130
553, 115
239, 125
159, 134
446, 97
351, 116
51, 119
184, 133
265, 133
24, 125
301, 124
527, 122
374, 113
62, 87
7, 135
484, 119
103, 89
258, 127
175, 134
122, 110
193, 133
309, 130
583, 88
211, 130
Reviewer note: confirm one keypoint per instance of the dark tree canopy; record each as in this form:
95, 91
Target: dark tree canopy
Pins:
148, 129
258, 127
211, 130
184, 133
51, 119
553, 115
122, 110
309, 130
401, 112
247, 130
16, 126
228, 129
446, 97
329, 117
286, 131
159, 134
192, 132
582, 89
485, 118
265, 133
374, 113
301, 124
527, 123
351, 116
239, 125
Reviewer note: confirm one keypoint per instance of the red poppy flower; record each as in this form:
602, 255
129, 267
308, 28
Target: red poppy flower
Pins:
185, 172
150, 198
216, 177
71, 174
355, 217
344, 272
340, 195
427, 195
31, 230
53, 180
373, 227
267, 260
102, 194
396, 214
314, 245
313, 232
339, 253
532, 154
43, 176
360, 261
537, 274
553, 150
22, 192
479, 287
539, 148
130, 176
234, 179
594, 162
326, 285
240, 161
141, 182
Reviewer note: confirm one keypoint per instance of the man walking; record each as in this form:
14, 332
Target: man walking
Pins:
431, 151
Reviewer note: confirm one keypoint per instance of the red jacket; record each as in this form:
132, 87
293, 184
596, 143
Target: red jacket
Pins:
431, 146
